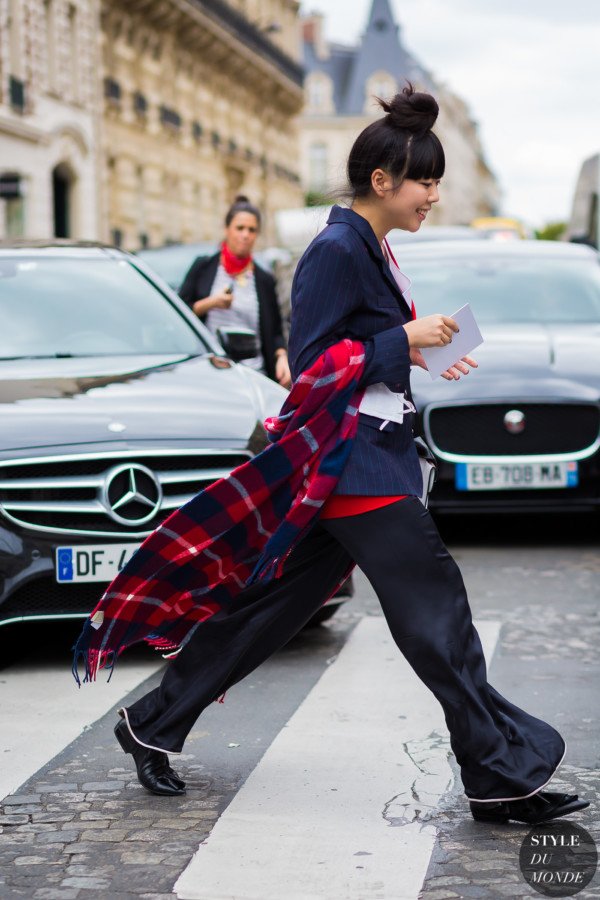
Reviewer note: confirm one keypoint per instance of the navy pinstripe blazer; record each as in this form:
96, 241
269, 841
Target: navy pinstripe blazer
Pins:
343, 287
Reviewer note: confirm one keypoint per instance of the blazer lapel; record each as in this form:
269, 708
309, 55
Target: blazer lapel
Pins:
206, 275
360, 224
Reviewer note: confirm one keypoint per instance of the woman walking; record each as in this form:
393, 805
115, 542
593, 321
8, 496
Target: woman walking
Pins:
228, 289
238, 571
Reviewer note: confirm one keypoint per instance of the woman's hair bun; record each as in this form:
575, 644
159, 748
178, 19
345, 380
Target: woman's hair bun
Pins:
241, 198
412, 110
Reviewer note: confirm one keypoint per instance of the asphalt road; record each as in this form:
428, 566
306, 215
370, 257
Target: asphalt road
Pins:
76, 824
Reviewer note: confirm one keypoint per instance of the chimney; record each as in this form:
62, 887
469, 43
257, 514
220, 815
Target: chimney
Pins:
312, 33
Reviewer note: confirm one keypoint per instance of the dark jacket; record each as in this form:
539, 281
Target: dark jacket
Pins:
198, 283
343, 287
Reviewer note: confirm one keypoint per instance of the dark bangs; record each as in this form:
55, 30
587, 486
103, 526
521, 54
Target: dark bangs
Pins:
400, 152
425, 158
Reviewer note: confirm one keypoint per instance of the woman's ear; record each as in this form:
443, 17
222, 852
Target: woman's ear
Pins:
380, 182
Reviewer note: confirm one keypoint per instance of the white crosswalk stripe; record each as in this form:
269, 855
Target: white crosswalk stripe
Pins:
56, 712
338, 805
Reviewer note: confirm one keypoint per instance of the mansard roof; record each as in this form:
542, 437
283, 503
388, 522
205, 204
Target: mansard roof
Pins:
350, 68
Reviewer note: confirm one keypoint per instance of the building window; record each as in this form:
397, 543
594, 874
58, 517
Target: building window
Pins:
319, 93
140, 104
315, 94
170, 118
380, 84
112, 90
16, 90
317, 161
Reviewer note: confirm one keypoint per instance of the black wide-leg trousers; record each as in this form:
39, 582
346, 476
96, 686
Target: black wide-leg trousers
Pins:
503, 752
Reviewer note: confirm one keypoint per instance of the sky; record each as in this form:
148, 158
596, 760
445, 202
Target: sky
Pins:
529, 71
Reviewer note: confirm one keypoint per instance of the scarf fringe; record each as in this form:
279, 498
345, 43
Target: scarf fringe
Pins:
92, 661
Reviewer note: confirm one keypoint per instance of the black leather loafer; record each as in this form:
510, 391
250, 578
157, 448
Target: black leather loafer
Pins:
152, 766
542, 807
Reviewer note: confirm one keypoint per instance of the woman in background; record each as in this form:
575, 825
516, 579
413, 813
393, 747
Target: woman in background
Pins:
228, 289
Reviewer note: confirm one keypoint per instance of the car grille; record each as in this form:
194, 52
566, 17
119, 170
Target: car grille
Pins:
44, 597
479, 430
70, 495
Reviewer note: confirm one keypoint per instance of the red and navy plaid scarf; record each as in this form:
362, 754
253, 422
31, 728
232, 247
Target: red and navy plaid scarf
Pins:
237, 531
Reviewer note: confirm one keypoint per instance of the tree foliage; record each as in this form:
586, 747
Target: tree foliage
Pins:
552, 231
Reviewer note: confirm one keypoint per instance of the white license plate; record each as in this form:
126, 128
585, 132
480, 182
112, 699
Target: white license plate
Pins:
515, 476
92, 562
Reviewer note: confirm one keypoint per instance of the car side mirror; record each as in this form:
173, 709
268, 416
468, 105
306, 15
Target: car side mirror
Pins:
238, 343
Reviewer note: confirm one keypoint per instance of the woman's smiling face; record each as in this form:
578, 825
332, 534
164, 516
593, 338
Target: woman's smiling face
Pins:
408, 206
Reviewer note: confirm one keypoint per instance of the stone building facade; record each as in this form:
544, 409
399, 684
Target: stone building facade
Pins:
340, 85
200, 103
49, 171
137, 121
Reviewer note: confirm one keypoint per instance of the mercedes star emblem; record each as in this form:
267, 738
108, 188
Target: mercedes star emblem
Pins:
514, 421
131, 494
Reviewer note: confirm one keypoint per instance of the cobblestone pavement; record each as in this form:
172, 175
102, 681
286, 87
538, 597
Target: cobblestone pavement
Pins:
83, 827
66, 836
479, 861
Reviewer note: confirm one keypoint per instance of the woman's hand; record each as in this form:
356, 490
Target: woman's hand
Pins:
416, 358
451, 374
282, 369
460, 368
430, 331
222, 300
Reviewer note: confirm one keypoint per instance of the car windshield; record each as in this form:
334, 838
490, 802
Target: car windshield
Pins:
65, 306
506, 289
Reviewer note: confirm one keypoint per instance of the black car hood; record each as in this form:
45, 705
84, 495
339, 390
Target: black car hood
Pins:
554, 361
50, 402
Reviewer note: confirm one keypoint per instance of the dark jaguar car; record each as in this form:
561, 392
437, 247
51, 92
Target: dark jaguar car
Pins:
521, 433
116, 407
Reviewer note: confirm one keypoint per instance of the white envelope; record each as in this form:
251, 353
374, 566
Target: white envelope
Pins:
439, 359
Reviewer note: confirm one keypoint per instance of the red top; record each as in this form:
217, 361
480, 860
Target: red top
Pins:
340, 505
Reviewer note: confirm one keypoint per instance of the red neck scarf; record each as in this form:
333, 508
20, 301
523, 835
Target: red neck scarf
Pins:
233, 264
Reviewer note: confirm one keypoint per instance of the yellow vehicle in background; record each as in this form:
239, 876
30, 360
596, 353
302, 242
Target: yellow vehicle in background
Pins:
500, 228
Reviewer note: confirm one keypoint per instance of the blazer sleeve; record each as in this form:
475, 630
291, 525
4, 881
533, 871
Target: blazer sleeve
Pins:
327, 290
